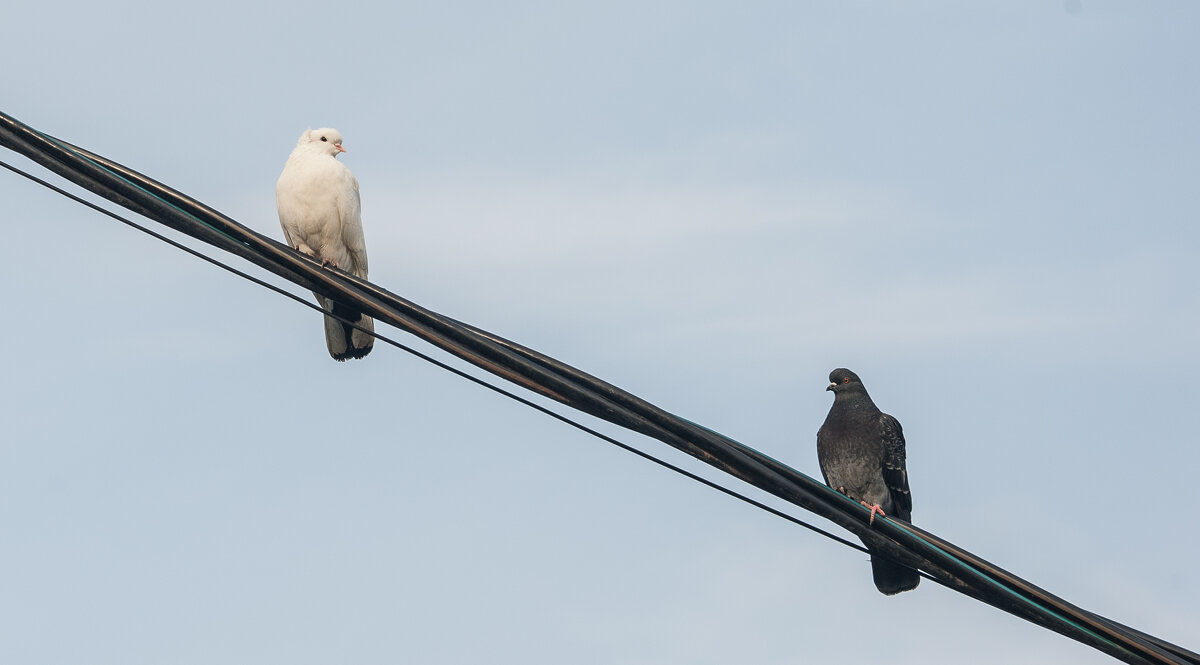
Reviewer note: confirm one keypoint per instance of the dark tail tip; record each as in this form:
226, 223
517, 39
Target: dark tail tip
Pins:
892, 578
352, 352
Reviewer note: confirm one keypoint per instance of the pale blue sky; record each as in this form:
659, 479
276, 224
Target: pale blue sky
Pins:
987, 211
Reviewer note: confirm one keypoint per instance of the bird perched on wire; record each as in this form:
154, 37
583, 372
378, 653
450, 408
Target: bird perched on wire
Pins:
861, 452
321, 216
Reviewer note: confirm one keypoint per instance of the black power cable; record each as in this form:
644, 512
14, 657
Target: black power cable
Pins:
183, 213
549, 377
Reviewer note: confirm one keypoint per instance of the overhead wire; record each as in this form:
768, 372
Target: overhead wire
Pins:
742, 461
570, 386
726, 454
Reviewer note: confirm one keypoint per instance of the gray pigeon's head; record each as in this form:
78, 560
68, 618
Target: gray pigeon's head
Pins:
842, 380
325, 141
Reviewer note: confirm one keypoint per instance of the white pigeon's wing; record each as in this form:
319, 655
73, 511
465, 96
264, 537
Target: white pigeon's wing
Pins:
295, 205
350, 211
283, 197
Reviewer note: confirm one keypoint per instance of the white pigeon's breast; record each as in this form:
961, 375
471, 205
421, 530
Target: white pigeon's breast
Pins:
310, 196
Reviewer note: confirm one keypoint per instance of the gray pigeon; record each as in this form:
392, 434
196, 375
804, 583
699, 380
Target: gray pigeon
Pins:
319, 210
861, 452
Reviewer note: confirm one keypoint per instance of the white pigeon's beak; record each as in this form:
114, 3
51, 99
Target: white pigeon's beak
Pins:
339, 147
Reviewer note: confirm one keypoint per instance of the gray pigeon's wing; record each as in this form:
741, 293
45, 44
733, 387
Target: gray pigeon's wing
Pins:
894, 472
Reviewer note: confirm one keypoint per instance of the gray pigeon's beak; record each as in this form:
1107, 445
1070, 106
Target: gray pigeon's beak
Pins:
831, 386
339, 147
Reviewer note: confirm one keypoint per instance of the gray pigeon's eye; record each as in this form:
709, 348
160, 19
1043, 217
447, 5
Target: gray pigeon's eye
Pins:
845, 380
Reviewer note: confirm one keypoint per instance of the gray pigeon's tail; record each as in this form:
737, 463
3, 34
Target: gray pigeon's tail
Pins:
891, 578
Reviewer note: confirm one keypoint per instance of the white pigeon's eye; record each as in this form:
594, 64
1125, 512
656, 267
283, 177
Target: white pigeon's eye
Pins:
324, 139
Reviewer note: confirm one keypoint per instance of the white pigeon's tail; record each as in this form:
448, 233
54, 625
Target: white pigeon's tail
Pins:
345, 342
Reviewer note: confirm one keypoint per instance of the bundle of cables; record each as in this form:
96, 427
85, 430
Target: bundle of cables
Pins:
937, 559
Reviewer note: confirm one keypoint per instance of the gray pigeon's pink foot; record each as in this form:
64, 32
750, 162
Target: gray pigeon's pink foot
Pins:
874, 509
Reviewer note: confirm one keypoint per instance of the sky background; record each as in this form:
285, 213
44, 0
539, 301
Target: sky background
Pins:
987, 210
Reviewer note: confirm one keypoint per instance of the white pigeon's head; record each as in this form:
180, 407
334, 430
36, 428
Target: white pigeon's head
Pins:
326, 141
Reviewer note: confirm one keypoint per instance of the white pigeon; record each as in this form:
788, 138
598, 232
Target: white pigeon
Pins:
319, 210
